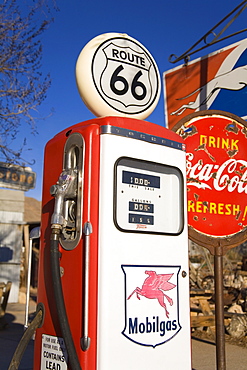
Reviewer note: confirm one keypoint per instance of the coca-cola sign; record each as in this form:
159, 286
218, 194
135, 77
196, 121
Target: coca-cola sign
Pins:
216, 147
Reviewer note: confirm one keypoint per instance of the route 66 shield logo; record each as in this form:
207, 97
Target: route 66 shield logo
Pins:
126, 77
151, 304
116, 75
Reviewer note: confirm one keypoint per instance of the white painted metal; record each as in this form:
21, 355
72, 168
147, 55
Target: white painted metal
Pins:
155, 341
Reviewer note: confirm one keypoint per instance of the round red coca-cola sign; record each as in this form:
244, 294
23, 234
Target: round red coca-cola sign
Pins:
216, 147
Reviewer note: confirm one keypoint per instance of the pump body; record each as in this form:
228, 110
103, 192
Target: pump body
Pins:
120, 187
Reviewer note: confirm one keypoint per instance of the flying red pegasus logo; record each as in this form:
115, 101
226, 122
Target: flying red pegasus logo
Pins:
153, 287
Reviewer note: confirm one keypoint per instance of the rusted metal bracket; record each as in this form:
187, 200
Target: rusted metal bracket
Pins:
234, 13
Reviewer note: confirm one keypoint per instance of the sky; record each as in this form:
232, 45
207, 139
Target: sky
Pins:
163, 27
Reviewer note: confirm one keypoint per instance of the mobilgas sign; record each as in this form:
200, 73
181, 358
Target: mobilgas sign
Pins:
216, 145
151, 310
16, 177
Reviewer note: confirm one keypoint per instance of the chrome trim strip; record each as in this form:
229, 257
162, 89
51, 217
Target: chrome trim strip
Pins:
108, 129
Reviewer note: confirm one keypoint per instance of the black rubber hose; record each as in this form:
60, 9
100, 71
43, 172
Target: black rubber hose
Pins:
60, 305
28, 334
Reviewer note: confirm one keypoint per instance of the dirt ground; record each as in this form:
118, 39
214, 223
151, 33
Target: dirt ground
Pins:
210, 336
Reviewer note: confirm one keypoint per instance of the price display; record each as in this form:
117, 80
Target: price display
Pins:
148, 197
141, 219
141, 207
139, 179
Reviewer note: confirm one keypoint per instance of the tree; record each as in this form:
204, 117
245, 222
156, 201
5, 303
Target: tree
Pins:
22, 86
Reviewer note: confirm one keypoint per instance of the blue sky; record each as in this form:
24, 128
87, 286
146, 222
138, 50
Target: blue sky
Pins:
163, 27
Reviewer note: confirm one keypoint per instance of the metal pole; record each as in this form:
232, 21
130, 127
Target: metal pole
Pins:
219, 313
28, 283
34, 234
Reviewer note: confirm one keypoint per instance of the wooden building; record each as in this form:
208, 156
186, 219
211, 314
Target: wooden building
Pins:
18, 215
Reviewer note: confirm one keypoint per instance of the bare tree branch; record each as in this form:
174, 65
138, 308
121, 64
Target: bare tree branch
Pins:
23, 87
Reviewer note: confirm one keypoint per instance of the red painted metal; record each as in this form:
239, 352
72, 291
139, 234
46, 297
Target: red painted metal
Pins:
72, 260
216, 146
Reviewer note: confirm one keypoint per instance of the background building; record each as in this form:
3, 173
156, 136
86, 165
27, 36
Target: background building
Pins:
18, 215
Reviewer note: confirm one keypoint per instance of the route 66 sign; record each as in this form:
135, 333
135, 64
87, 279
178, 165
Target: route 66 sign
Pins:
116, 75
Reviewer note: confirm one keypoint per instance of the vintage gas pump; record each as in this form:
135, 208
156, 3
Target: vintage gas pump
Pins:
113, 273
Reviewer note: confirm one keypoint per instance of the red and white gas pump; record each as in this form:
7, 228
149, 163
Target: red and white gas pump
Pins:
113, 273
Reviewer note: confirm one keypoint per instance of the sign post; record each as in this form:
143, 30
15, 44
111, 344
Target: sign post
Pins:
219, 312
217, 189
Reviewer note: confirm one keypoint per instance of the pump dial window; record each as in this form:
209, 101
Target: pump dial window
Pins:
148, 197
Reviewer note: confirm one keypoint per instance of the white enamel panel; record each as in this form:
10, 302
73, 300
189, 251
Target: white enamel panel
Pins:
135, 331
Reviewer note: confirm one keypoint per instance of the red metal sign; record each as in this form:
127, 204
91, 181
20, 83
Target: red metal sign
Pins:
216, 145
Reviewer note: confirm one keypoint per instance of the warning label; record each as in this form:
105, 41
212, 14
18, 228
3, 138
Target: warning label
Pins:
54, 354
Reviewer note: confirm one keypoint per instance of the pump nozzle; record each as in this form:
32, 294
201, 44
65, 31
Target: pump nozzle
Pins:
64, 189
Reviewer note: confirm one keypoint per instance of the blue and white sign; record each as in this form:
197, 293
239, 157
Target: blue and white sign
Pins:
230, 82
151, 304
217, 82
